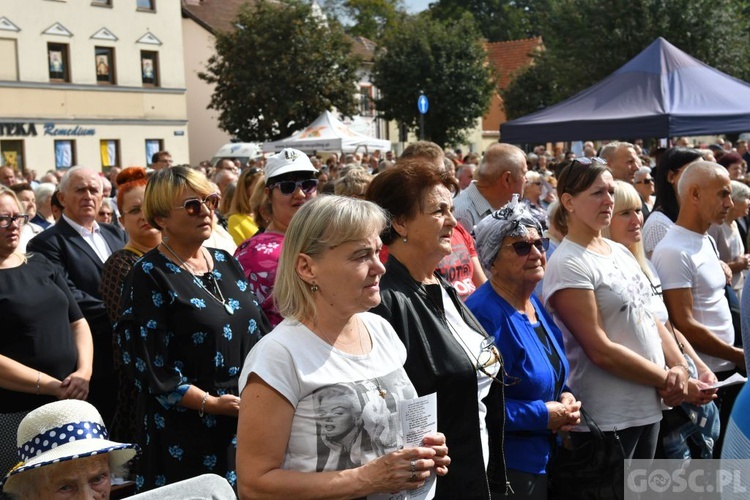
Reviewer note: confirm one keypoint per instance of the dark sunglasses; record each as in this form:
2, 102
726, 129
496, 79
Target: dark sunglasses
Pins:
194, 206
7, 220
290, 187
523, 248
646, 181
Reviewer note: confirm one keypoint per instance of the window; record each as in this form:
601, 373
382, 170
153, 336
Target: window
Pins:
105, 65
150, 68
110, 152
366, 104
57, 55
102, 3
153, 146
8, 54
11, 155
149, 5
65, 153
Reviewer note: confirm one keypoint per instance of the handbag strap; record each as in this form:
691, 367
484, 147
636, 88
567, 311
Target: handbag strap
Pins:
592, 425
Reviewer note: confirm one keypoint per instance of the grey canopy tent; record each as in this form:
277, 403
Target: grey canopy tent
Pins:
662, 92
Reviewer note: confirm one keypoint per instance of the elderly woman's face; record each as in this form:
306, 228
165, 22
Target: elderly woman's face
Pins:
81, 478
284, 206
430, 232
9, 236
513, 267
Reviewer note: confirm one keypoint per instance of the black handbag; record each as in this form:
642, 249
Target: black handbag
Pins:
592, 471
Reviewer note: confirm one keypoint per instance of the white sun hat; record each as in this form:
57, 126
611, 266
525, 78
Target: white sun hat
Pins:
286, 161
65, 430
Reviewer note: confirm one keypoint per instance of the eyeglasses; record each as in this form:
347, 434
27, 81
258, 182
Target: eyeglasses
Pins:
646, 181
7, 220
523, 248
488, 356
290, 187
583, 160
194, 206
537, 183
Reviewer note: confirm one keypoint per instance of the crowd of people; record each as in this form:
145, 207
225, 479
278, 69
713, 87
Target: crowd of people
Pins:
266, 324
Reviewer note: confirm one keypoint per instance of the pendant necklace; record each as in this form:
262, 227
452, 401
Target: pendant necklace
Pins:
229, 309
382, 392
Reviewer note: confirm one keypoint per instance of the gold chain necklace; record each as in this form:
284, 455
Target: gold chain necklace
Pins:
228, 307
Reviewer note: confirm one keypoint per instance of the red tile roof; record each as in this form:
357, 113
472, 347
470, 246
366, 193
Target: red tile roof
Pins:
508, 57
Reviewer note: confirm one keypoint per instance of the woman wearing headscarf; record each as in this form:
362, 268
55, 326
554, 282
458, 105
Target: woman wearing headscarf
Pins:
537, 403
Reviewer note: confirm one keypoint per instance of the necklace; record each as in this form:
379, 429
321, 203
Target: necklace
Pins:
220, 298
382, 392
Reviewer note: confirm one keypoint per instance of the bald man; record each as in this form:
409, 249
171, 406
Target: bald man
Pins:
501, 173
693, 279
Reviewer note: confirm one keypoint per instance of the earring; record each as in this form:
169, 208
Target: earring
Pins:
405, 239
314, 288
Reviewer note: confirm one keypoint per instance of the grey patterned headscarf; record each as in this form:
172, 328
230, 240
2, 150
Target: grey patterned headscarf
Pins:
512, 220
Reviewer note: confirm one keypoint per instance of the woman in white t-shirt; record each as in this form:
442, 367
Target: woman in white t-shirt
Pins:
601, 301
319, 409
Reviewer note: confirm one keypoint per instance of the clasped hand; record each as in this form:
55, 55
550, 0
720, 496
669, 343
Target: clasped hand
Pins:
565, 414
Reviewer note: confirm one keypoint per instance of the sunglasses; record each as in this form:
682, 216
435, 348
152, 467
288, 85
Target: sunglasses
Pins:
523, 248
290, 187
194, 206
646, 181
583, 160
7, 220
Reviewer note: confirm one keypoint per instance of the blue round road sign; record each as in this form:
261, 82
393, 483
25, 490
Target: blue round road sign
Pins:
423, 104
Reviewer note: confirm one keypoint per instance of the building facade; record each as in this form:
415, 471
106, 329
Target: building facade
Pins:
99, 83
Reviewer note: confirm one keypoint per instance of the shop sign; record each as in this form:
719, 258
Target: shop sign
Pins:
17, 129
50, 129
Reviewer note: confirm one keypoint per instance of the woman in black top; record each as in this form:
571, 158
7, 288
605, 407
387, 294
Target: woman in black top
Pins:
46, 351
448, 351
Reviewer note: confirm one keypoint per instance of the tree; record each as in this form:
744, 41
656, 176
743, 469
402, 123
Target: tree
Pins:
447, 62
279, 70
369, 17
587, 40
498, 20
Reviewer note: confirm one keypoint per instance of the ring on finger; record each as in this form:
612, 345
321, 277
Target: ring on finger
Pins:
413, 464
413, 476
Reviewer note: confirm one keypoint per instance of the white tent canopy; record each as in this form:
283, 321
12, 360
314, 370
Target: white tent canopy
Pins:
327, 133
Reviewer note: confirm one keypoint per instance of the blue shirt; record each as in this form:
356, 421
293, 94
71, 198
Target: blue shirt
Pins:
532, 377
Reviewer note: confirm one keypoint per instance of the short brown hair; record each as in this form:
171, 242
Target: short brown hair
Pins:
400, 190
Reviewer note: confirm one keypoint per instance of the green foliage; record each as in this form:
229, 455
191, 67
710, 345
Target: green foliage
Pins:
369, 17
498, 20
587, 40
279, 70
444, 60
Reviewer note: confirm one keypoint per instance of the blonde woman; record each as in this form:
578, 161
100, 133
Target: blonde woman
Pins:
241, 223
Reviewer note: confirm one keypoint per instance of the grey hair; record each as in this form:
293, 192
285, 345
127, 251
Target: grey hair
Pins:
740, 191
65, 181
608, 150
642, 172
44, 191
511, 220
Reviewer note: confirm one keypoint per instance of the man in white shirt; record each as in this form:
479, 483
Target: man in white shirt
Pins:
693, 279
501, 173
78, 246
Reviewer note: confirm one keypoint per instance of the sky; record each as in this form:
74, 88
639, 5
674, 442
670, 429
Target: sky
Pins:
415, 6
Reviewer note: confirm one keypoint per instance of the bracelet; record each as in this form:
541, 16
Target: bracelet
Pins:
203, 404
684, 367
38, 382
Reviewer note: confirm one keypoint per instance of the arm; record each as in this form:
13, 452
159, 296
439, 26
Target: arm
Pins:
578, 310
76, 385
262, 442
680, 306
18, 377
478, 278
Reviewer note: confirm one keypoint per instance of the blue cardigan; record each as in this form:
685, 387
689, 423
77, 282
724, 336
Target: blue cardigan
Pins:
527, 439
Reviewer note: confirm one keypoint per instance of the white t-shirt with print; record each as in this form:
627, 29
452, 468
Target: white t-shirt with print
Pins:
623, 297
686, 259
340, 419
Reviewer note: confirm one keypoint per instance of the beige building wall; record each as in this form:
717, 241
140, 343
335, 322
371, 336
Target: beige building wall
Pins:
81, 110
203, 127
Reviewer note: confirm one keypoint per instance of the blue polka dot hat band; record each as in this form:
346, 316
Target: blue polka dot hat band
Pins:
53, 438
